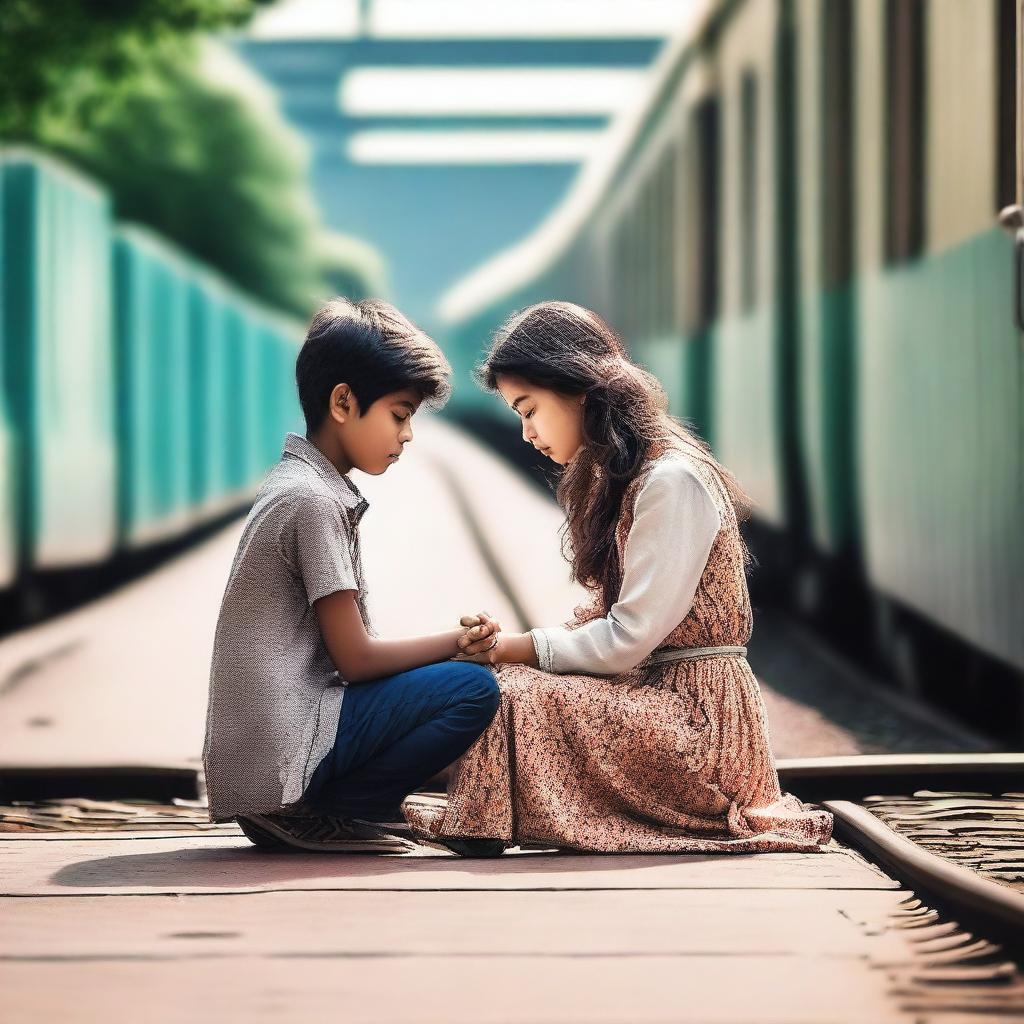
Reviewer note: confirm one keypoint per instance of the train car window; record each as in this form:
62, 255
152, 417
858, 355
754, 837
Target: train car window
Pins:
904, 128
1006, 135
711, 168
837, 142
653, 248
652, 268
667, 219
691, 285
643, 260
684, 264
701, 213
622, 276
748, 191
633, 257
617, 266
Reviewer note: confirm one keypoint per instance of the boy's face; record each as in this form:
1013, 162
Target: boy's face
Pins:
373, 441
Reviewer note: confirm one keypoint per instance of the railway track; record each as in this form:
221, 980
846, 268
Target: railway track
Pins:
949, 827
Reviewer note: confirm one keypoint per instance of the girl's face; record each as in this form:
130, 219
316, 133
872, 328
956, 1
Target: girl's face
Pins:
552, 422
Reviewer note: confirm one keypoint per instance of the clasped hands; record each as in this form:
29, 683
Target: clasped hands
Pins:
479, 642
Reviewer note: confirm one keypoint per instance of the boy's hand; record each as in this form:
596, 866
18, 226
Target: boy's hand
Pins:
511, 649
484, 658
479, 637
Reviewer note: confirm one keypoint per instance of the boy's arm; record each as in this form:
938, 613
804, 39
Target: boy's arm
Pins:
359, 656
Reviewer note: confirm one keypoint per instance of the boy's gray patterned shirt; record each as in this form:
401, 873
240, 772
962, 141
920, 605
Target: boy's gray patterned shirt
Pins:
275, 695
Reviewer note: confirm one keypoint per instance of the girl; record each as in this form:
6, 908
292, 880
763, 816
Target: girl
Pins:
638, 726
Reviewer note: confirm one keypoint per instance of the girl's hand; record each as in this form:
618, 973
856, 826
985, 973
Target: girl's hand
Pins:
479, 633
480, 636
510, 649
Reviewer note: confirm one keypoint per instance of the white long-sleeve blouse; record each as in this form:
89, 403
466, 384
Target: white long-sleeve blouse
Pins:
674, 526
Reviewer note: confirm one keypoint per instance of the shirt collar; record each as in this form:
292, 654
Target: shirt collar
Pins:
347, 492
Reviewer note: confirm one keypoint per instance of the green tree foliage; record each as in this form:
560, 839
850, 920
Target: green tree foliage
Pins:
125, 90
55, 54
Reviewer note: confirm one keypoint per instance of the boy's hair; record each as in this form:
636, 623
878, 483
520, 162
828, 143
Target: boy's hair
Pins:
374, 349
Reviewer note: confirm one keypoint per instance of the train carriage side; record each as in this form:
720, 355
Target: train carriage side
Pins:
8, 479
751, 375
59, 362
826, 290
844, 306
698, 236
940, 415
696, 227
634, 252
647, 242
151, 284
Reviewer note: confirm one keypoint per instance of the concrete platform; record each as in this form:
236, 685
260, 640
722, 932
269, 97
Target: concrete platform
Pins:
426, 923
212, 929
80, 866
204, 929
452, 989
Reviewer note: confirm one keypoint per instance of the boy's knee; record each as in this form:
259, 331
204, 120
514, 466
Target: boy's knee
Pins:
478, 685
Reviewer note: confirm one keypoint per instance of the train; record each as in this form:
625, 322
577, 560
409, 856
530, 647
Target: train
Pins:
810, 231
142, 395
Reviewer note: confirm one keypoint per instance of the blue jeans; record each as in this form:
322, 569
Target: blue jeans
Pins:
395, 733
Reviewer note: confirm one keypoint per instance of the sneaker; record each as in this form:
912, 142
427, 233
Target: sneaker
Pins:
325, 834
399, 829
258, 836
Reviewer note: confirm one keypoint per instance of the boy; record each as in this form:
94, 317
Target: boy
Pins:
316, 728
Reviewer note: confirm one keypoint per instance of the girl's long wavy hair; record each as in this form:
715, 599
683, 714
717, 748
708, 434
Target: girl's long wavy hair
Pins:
571, 350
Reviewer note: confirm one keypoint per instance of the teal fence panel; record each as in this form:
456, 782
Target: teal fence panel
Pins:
208, 459
238, 403
8, 479
264, 341
151, 303
59, 361
279, 412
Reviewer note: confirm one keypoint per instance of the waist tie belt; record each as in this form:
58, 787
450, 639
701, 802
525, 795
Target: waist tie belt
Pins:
663, 654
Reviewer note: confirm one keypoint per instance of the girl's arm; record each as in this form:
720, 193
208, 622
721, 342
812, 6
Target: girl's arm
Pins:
512, 648
359, 656
674, 527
